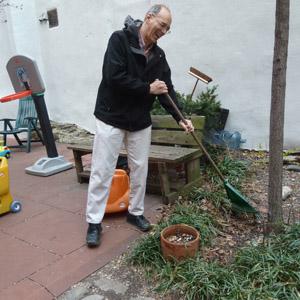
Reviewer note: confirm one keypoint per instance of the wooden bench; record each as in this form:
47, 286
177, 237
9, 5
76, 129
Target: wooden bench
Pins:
174, 160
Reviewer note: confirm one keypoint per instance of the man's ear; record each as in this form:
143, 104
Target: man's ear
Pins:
148, 16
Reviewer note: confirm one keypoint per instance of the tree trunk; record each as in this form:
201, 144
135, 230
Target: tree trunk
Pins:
275, 217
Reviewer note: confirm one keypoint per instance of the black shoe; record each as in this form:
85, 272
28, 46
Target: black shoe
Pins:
93, 235
139, 221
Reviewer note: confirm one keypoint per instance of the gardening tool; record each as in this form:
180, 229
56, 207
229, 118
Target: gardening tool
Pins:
238, 201
199, 76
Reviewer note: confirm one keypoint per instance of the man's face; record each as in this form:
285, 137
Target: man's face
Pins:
158, 25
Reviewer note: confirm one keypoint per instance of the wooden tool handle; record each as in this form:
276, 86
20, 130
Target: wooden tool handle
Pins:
182, 118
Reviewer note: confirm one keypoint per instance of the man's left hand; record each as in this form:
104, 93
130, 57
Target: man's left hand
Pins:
188, 127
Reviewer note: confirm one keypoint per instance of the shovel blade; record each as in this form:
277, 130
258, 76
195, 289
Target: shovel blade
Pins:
238, 201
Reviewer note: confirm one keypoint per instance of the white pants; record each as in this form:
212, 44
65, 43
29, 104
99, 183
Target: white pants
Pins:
108, 141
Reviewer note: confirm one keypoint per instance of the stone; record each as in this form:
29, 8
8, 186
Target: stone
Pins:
293, 168
111, 285
286, 192
76, 293
142, 298
93, 297
291, 159
71, 134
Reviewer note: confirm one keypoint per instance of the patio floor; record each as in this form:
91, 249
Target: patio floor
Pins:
42, 247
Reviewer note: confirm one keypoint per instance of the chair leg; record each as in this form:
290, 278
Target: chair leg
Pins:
38, 133
28, 145
8, 124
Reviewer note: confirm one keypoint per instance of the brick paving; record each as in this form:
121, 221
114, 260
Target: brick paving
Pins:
42, 247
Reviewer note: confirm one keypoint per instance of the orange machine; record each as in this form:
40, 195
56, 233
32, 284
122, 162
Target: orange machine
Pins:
119, 193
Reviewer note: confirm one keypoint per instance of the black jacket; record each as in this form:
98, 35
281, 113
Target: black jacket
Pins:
123, 99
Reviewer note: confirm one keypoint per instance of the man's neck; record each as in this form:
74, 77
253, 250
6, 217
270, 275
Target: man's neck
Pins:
147, 43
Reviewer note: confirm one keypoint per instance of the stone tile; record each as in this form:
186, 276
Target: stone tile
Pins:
77, 265
77, 292
94, 297
72, 200
2, 235
53, 219
58, 231
152, 200
25, 290
38, 188
19, 259
29, 209
106, 284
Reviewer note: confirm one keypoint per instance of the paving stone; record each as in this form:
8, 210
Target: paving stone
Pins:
29, 210
19, 259
111, 285
93, 297
142, 298
25, 290
293, 168
76, 293
43, 246
55, 230
84, 261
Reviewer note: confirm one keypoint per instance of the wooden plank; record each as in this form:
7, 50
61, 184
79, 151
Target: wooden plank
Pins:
157, 153
82, 148
164, 181
169, 154
192, 170
171, 137
167, 121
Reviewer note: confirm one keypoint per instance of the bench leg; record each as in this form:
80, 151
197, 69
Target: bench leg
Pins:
164, 181
192, 170
78, 165
167, 195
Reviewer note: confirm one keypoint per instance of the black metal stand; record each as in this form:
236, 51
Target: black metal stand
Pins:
43, 117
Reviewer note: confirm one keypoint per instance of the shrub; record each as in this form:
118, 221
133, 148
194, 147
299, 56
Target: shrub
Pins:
205, 104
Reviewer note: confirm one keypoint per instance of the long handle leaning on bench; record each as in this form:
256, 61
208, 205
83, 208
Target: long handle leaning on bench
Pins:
195, 137
239, 202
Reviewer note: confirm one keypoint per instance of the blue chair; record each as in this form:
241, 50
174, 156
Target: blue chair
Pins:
26, 121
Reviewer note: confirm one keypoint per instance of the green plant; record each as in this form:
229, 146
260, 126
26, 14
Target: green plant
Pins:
157, 109
205, 104
147, 253
268, 270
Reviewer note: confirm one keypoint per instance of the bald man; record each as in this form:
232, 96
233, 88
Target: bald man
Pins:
135, 71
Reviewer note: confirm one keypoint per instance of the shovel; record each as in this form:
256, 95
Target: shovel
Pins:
238, 201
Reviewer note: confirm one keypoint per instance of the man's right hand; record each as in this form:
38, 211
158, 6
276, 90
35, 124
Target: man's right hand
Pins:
158, 87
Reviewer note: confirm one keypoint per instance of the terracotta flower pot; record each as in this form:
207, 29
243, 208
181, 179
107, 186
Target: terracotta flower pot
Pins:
175, 249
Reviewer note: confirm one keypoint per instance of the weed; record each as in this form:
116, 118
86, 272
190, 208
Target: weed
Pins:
265, 271
146, 252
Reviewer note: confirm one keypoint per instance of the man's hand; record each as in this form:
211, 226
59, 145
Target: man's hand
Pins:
188, 127
158, 87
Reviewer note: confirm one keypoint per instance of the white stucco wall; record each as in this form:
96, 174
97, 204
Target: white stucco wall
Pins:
230, 40
6, 48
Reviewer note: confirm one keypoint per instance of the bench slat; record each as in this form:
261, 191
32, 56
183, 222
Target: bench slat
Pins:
169, 154
157, 153
171, 137
166, 121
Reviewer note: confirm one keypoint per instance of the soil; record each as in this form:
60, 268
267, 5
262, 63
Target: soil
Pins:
236, 230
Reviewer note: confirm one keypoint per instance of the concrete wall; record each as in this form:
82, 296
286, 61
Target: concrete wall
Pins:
230, 40
7, 47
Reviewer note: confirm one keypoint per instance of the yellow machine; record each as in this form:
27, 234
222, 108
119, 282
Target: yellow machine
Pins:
7, 204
